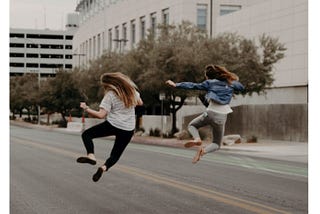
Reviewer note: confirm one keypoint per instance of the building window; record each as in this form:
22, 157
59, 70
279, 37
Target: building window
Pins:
68, 56
117, 37
47, 46
16, 45
69, 47
99, 45
51, 56
94, 44
165, 16
32, 65
44, 36
142, 27
16, 35
51, 65
16, 64
87, 53
202, 16
133, 32
31, 45
90, 48
110, 39
32, 55
68, 37
153, 24
124, 34
69, 66
226, 9
16, 54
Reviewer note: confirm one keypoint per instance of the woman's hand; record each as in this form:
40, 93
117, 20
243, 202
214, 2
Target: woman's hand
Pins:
171, 83
84, 105
102, 113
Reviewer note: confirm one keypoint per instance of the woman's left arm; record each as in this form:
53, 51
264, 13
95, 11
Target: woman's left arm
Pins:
102, 113
189, 85
237, 86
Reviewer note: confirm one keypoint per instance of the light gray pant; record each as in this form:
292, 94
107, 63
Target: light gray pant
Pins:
217, 123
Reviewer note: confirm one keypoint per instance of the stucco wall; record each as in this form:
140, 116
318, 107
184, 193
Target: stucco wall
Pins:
276, 122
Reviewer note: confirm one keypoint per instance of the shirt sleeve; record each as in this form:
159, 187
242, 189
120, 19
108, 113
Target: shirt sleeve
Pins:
190, 85
106, 102
237, 86
137, 95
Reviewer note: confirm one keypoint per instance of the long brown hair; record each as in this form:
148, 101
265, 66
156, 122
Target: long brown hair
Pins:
220, 73
122, 86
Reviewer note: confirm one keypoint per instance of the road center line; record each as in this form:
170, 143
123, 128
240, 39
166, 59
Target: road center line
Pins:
217, 196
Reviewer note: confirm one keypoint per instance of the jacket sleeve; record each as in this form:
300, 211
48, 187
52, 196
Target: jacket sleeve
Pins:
237, 86
191, 85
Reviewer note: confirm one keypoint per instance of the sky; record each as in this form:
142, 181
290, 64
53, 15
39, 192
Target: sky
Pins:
40, 14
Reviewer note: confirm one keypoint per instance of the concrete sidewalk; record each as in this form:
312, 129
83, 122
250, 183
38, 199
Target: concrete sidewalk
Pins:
264, 148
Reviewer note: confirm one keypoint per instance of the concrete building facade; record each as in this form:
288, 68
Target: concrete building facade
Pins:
42, 51
118, 25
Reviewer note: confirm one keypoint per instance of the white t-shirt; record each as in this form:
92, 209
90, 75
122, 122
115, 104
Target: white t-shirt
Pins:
218, 108
117, 114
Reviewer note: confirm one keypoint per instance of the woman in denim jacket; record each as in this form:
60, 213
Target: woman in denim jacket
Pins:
220, 85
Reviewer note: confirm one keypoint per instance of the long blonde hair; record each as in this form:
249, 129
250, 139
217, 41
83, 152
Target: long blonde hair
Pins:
122, 86
220, 73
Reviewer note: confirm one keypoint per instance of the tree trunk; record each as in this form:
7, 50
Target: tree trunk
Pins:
64, 119
48, 119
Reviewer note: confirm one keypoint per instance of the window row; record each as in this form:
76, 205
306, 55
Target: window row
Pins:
34, 55
119, 36
36, 65
40, 36
44, 46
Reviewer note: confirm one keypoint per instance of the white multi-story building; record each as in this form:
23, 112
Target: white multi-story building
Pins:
42, 51
118, 25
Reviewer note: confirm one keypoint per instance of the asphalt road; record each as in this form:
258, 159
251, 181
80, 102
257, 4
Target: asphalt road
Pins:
45, 178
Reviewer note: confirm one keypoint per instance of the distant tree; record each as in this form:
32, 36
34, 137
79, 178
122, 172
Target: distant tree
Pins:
252, 63
88, 80
24, 94
180, 53
60, 94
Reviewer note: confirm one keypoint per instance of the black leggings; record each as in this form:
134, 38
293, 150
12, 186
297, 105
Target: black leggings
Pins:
104, 129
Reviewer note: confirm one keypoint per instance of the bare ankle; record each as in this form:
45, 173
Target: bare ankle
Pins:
91, 156
104, 167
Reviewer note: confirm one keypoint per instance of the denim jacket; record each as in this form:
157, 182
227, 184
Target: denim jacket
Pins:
219, 91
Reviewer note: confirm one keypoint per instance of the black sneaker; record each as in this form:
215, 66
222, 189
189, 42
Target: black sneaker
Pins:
86, 160
97, 175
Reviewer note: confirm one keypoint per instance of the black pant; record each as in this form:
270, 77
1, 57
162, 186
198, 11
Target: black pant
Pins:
104, 129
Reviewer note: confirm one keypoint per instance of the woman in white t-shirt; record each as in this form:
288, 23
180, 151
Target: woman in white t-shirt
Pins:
118, 107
